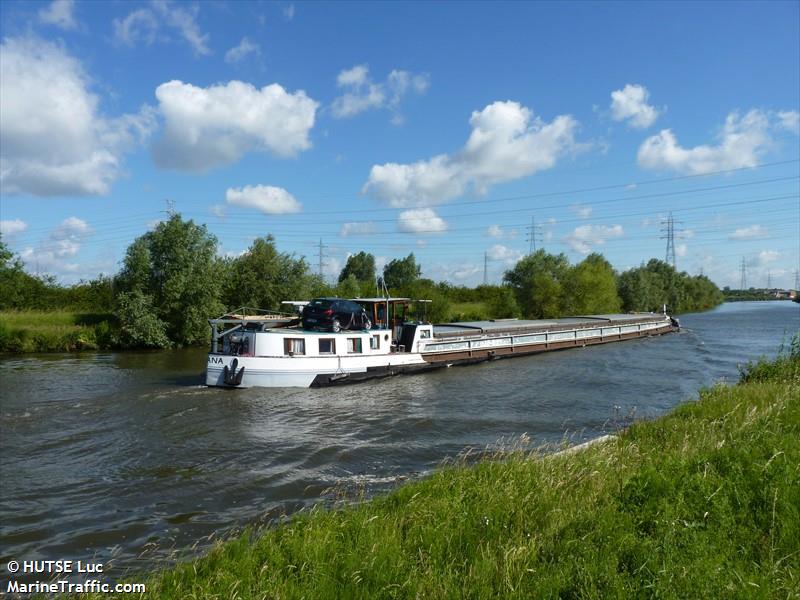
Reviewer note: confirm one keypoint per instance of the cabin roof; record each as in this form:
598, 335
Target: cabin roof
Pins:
382, 300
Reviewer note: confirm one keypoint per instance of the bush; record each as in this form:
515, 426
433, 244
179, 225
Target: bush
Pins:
785, 368
139, 325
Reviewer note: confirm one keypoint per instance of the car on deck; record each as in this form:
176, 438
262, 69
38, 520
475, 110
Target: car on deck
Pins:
335, 314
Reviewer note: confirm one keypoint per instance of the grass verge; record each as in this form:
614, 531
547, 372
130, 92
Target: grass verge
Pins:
704, 502
55, 331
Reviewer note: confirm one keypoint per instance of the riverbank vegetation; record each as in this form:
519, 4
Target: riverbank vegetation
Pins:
56, 331
172, 280
702, 503
753, 294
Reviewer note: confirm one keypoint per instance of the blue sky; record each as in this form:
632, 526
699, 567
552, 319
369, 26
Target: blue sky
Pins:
441, 129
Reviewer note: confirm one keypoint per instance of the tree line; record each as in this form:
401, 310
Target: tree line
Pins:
172, 281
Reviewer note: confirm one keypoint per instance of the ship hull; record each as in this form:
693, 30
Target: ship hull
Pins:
371, 354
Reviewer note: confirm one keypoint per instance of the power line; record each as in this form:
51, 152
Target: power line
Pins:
170, 211
593, 218
743, 271
321, 262
628, 185
668, 228
467, 231
534, 234
298, 216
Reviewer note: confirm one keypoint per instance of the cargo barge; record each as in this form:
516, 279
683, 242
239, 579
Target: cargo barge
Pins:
275, 351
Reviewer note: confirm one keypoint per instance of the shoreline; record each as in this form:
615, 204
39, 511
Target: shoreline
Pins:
672, 506
71, 331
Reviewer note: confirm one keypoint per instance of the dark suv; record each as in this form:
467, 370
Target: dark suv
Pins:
335, 314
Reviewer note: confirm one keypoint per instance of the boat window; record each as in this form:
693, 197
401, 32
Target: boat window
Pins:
354, 345
293, 346
424, 333
327, 346
375, 342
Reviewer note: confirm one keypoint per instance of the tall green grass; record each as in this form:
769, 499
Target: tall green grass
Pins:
468, 311
55, 331
702, 503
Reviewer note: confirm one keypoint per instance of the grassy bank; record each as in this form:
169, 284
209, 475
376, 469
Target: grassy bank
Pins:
55, 331
704, 502
468, 311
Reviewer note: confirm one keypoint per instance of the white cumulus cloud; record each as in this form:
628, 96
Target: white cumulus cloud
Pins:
586, 237
504, 254
266, 198
12, 227
753, 232
53, 139
464, 271
242, 51
742, 141
789, 120
423, 220
217, 125
358, 228
361, 93
59, 13
424, 182
630, 104
52, 253
139, 26
507, 142
767, 256
584, 211
495, 231
148, 24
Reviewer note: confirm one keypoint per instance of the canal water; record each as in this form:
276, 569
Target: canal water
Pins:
126, 458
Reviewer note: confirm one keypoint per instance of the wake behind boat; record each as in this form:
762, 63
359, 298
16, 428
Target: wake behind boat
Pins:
276, 351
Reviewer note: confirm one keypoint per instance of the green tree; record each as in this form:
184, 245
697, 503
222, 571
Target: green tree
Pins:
361, 266
96, 295
262, 277
348, 287
650, 286
6, 255
502, 304
18, 289
140, 327
175, 266
137, 271
640, 290
592, 288
435, 311
401, 273
538, 282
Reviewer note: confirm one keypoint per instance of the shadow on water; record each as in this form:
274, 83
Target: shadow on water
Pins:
127, 456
